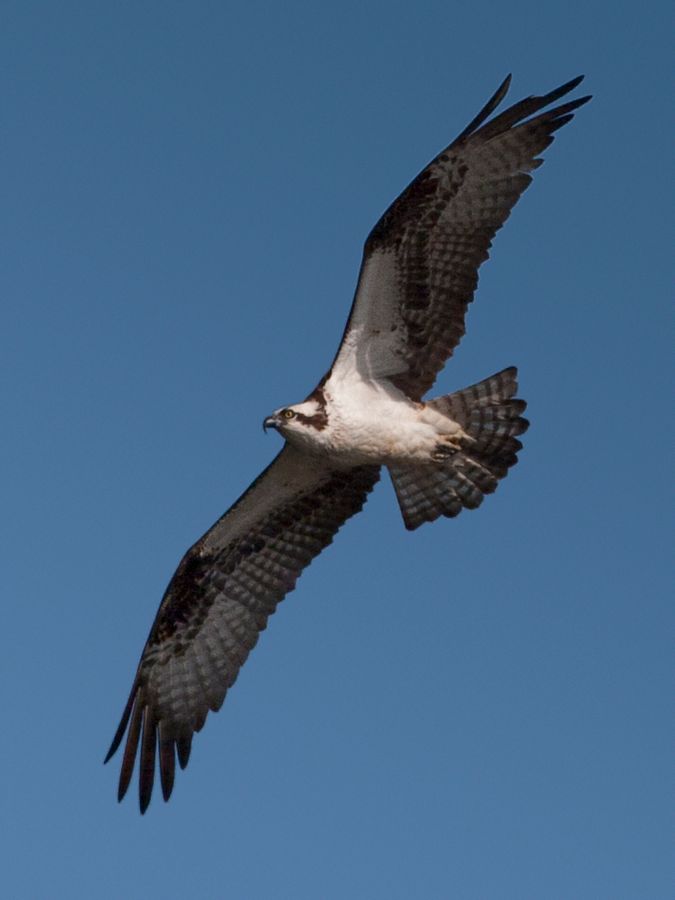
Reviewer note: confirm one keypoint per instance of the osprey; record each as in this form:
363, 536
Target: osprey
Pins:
418, 275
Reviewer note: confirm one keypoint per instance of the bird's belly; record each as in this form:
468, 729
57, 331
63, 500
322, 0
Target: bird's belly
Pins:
381, 433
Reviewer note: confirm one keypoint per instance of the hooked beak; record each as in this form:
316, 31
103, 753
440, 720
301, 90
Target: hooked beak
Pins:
269, 422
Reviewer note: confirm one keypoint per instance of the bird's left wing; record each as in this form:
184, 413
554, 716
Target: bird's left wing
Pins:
420, 261
219, 600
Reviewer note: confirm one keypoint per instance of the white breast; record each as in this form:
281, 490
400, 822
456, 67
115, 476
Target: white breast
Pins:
371, 421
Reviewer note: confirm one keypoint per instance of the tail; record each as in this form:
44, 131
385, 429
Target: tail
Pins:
491, 418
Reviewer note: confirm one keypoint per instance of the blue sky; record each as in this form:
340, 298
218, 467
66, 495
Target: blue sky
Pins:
476, 710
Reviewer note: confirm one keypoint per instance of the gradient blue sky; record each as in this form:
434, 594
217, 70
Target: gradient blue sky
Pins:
476, 710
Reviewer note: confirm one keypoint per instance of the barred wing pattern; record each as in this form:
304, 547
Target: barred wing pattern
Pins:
421, 260
219, 600
491, 416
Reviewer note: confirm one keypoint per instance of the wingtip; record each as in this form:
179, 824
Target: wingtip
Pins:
573, 82
117, 740
503, 89
565, 88
122, 727
487, 110
183, 748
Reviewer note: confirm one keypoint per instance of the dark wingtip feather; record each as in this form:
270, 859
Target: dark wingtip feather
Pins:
113, 749
559, 121
129, 758
521, 112
147, 760
562, 90
503, 89
167, 764
566, 108
122, 727
489, 108
575, 104
183, 746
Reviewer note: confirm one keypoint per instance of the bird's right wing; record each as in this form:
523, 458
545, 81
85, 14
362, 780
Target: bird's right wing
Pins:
219, 600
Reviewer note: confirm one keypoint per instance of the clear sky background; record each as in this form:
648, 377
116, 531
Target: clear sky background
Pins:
477, 710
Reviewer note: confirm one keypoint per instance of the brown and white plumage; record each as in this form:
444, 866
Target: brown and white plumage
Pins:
491, 417
420, 262
418, 275
219, 600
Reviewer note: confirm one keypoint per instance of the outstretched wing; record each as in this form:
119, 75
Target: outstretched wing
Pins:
219, 600
420, 263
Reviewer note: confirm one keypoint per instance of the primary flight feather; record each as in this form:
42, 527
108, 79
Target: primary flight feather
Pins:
418, 275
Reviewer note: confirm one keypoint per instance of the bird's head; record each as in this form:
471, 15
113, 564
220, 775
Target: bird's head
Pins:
299, 421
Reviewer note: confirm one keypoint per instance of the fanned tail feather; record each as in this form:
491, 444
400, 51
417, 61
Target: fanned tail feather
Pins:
491, 417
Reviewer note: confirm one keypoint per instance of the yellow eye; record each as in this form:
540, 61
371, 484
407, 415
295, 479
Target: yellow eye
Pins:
288, 414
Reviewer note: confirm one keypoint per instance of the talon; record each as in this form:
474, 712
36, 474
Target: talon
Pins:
443, 452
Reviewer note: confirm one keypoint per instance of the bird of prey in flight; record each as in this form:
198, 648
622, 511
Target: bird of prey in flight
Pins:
418, 275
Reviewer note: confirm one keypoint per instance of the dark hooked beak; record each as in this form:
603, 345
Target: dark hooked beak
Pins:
269, 422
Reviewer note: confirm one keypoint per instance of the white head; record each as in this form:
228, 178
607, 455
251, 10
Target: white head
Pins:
300, 422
